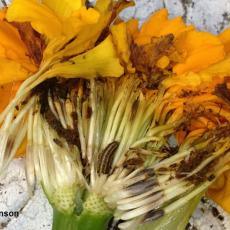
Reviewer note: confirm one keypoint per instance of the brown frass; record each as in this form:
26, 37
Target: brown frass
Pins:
58, 88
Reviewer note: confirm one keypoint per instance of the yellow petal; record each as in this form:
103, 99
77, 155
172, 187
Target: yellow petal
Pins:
225, 38
120, 39
64, 8
103, 5
11, 71
82, 17
100, 61
87, 36
41, 17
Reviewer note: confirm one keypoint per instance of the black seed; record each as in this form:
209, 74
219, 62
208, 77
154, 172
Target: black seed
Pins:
142, 186
113, 224
188, 226
153, 215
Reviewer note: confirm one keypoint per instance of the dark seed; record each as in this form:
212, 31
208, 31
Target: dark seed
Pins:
188, 226
113, 224
142, 186
153, 215
149, 172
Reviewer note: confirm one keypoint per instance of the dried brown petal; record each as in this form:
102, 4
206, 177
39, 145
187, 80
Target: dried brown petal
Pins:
34, 42
145, 57
223, 92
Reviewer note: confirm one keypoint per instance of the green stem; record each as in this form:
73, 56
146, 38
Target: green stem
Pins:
95, 216
86, 221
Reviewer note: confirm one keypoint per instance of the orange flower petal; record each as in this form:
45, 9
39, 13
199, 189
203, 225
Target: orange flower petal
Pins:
201, 49
159, 25
220, 192
2, 14
11, 71
7, 92
225, 38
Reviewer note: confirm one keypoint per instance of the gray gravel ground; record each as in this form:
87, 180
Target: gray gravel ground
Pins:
35, 212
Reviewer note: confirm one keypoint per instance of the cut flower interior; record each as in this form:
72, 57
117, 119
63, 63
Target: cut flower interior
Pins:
124, 128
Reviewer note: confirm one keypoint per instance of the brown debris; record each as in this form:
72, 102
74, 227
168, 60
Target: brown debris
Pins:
33, 41
223, 92
133, 163
134, 158
187, 166
70, 135
145, 57
58, 89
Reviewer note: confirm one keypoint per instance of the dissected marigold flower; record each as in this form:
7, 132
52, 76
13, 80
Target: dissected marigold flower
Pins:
124, 128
